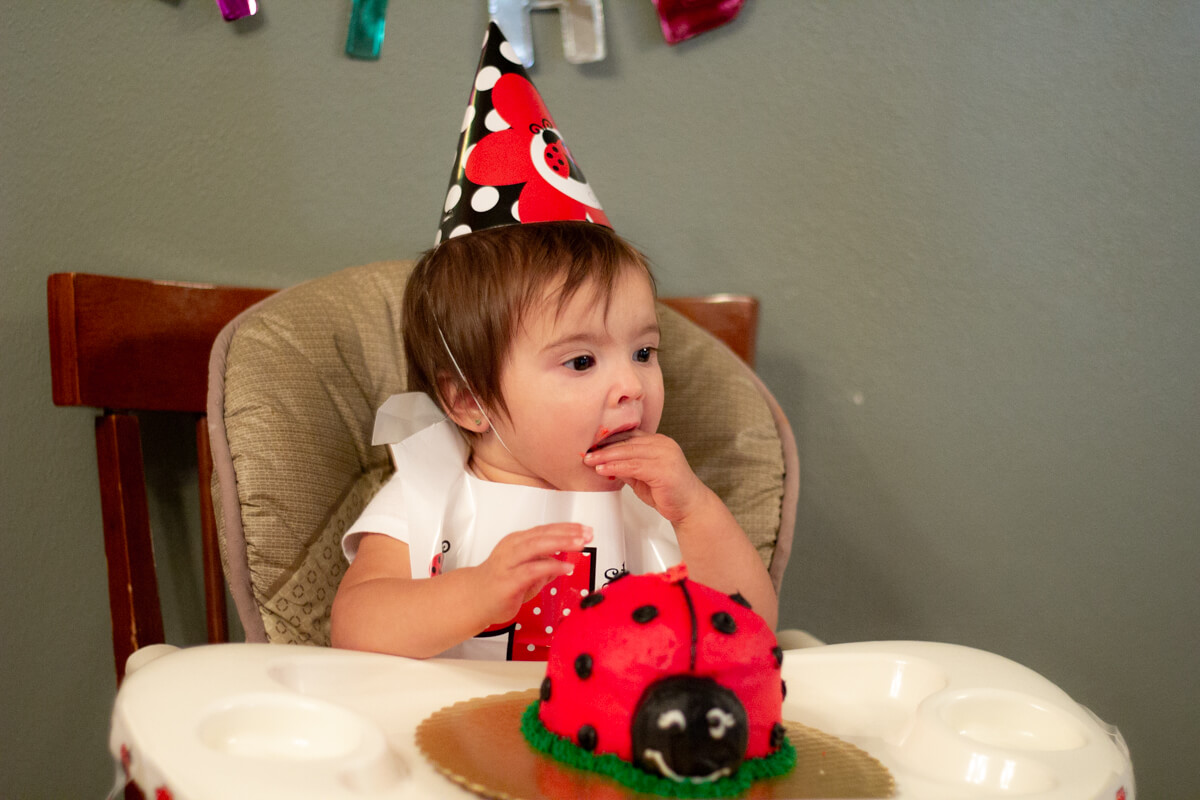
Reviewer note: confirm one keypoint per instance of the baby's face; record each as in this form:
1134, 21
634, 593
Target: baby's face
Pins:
575, 380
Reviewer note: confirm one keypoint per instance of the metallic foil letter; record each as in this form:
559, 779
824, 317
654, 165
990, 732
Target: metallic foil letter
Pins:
367, 21
683, 19
582, 27
236, 9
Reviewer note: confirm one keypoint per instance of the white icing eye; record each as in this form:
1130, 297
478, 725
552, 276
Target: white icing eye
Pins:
719, 721
672, 719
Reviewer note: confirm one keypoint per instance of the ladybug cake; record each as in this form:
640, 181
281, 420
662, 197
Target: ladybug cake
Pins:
666, 685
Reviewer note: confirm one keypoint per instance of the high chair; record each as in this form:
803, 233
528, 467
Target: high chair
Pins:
294, 385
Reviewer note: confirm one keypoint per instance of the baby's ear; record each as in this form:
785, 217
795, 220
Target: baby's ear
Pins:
460, 406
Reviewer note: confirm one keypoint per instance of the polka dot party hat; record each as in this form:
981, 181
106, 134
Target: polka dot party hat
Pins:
512, 164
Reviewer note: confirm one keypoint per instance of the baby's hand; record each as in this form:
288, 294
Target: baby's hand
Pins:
523, 562
655, 467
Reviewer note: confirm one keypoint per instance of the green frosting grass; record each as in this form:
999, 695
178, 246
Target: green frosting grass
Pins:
566, 751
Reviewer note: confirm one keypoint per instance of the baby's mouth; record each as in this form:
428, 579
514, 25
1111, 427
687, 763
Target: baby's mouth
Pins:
607, 438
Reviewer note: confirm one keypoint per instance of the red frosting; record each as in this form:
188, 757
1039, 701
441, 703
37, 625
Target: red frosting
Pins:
689, 634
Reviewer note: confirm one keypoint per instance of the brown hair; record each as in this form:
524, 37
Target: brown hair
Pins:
477, 287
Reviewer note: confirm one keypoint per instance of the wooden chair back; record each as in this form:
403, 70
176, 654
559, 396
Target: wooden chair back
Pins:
732, 318
124, 345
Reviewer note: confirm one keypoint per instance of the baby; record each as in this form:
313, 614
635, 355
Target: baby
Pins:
539, 342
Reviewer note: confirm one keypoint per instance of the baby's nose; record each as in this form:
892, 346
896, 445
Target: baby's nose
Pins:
629, 385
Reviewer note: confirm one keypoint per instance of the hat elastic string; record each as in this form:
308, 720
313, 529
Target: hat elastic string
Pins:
467, 384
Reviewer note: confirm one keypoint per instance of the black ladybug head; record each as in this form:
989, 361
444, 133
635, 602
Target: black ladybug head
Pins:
688, 728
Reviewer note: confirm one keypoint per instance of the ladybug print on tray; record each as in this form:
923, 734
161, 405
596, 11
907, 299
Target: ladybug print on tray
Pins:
668, 674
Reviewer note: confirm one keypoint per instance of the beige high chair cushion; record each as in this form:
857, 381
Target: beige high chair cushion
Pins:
293, 388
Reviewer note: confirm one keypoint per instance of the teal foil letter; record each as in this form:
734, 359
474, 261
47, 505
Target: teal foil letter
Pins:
365, 36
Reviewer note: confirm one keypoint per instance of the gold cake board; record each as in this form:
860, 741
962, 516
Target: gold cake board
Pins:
478, 744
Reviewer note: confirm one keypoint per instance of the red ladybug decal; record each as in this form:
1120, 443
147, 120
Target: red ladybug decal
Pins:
556, 159
438, 564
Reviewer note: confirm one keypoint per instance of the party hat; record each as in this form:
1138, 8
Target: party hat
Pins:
512, 164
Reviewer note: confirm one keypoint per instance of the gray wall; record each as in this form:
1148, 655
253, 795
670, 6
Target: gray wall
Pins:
972, 225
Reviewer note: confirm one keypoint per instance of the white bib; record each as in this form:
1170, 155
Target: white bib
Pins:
450, 518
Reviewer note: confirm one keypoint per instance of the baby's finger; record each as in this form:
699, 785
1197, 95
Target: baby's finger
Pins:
632, 468
531, 576
546, 540
646, 446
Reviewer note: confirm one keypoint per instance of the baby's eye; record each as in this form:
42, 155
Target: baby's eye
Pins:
644, 355
580, 363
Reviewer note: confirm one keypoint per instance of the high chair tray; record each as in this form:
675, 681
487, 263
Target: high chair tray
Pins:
222, 722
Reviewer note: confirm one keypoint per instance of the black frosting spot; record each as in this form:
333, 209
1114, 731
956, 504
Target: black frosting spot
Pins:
782, 685
643, 614
592, 599
583, 666
724, 623
778, 734
586, 737
545, 695
741, 601
777, 651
